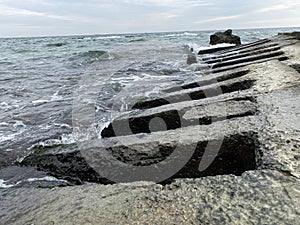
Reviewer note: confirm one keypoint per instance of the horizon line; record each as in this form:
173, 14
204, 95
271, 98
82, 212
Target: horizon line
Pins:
150, 32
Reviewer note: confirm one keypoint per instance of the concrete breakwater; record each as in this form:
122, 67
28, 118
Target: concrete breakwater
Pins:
248, 103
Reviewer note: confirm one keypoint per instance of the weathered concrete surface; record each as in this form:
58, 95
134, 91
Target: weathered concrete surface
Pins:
179, 117
257, 197
271, 134
280, 137
236, 155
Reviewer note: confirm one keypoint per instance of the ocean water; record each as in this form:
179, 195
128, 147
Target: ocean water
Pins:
40, 79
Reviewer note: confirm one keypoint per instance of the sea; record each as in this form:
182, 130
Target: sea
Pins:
42, 79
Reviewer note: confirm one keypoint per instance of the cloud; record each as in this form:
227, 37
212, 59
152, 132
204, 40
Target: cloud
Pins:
283, 5
273, 8
169, 3
9, 11
221, 18
13, 12
62, 17
270, 22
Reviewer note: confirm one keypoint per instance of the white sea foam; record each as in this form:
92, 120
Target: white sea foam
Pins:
19, 124
9, 106
56, 96
63, 125
8, 137
216, 46
40, 102
47, 178
109, 37
65, 139
4, 104
190, 34
3, 185
181, 34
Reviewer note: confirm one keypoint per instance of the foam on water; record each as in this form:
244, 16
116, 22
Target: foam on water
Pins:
3, 185
4, 137
199, 48
19, 124
181, 34
47, 178
109, 37
65, 139
40, 102
56, 96
6, 184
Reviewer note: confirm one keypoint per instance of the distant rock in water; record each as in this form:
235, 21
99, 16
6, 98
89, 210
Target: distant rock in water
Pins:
191, 59
56, 44
137, 40
225, 37
95, 54
295, 34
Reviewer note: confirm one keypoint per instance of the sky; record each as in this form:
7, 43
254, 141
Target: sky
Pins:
70, 17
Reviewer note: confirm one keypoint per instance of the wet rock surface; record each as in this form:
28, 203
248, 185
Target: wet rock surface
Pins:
225, 37
248, 102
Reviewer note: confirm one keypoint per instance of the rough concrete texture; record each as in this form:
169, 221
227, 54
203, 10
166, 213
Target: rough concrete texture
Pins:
266, 194
257, 197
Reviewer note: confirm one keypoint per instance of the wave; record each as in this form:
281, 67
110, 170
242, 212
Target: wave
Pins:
181, 34
196, 48
95, 54
137, 40
39, 102
47, 178
108, 37
4, 185
215, 46
89, 57
63, 140
20, 51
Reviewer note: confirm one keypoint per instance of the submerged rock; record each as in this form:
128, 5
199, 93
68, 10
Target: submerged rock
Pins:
63, 162
225, 37
56, 44
191, 59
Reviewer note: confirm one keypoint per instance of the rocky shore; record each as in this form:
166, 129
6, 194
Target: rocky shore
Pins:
248, 102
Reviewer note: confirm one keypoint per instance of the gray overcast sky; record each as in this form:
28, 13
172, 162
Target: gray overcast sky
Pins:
66, 17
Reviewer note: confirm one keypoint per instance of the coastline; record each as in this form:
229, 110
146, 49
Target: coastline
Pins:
262, 107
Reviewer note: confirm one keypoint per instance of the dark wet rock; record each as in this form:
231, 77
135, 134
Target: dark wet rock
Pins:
137, 40
56, 44
191, 59
64, 162
225, 37
296, 67
295, 34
